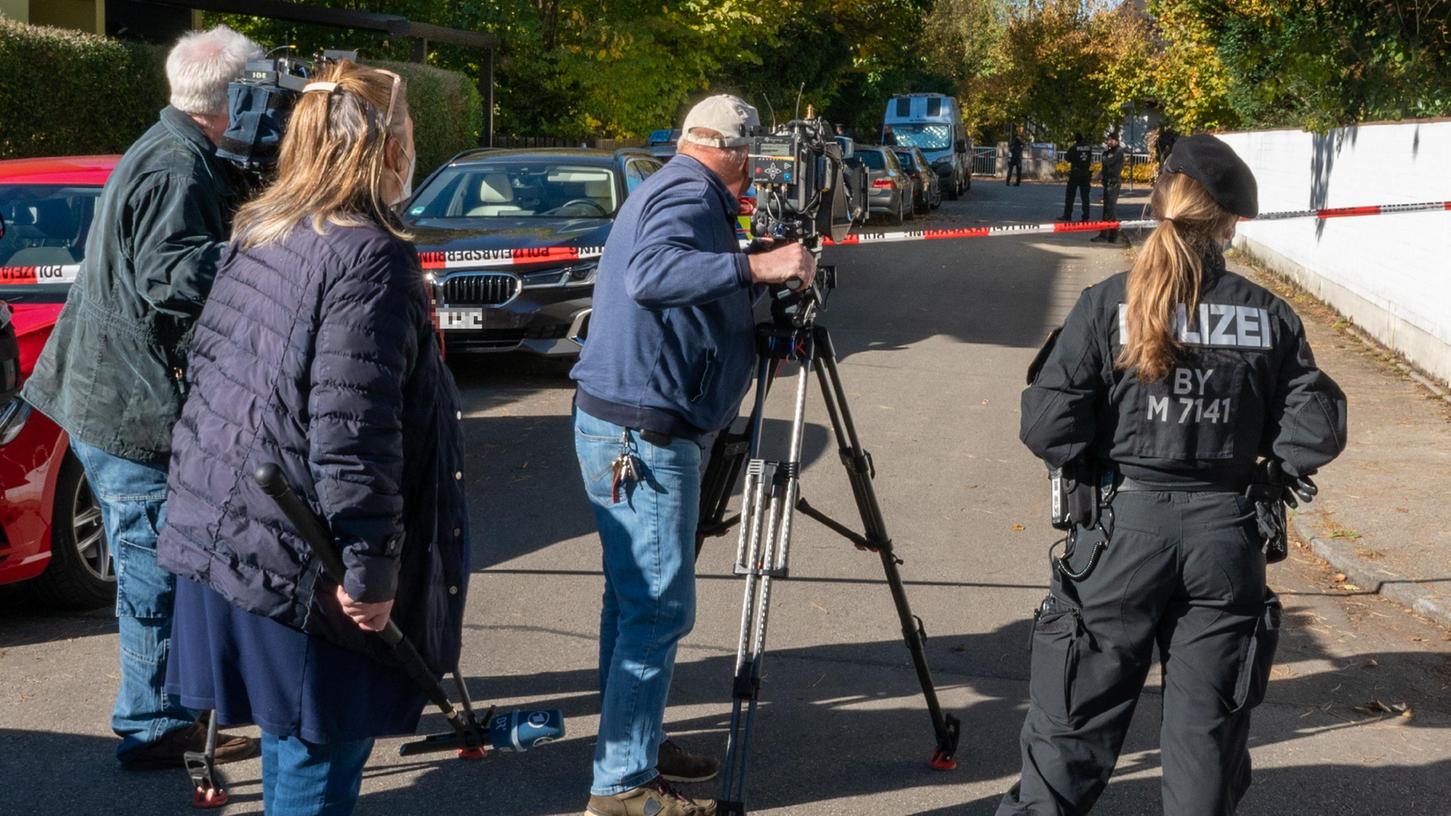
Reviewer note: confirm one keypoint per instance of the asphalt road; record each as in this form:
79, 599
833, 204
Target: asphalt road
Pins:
933, 338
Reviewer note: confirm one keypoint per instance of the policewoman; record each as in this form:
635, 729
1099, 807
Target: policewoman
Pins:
1170, 393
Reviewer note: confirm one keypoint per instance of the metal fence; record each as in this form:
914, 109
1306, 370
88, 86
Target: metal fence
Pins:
985, 161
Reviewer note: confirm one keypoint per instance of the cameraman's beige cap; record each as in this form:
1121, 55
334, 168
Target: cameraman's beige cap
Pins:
730, 116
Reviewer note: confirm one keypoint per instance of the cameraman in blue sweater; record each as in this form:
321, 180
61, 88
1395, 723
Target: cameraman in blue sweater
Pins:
669, 359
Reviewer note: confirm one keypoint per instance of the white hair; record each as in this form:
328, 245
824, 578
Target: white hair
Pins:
200, 66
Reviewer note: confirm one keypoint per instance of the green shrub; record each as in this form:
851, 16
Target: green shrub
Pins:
447, 112
65, 93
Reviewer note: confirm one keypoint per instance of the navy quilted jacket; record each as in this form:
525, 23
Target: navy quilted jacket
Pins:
317, 353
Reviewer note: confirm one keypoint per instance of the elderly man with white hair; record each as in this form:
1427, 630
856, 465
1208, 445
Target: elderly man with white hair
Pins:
669, 358
113, 373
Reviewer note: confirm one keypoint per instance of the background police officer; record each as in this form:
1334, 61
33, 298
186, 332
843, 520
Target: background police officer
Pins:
1112, 176
1015, 159
1080, 176
1185, 383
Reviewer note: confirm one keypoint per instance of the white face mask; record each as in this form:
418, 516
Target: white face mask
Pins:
405, 190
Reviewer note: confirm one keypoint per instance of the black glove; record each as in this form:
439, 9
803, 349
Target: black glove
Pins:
1295, 489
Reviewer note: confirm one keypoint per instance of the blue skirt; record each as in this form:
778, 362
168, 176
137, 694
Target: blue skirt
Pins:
251, 669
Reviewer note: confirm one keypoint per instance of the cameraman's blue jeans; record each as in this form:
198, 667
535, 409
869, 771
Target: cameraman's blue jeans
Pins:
301, 778
648, 539
132, 496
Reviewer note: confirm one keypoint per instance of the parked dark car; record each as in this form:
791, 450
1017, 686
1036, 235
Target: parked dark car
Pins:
511, 240
926, 188
891, 188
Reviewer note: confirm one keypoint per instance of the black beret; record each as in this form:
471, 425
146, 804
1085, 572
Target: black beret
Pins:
1214, 164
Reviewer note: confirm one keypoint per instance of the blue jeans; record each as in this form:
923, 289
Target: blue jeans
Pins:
648, 539
132, 496
301, 778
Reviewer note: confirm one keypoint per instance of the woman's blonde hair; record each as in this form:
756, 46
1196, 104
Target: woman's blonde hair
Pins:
332, 166
1169, 271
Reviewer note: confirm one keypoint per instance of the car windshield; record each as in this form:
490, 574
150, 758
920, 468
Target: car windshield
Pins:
45, 238
873, 159
924, 136
505, 189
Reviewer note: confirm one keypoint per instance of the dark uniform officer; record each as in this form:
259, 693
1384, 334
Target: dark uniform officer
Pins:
1238, 395
1080, 176
1015, 159
1112, 176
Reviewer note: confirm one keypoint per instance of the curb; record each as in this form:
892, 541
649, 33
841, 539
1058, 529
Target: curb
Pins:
1343, 557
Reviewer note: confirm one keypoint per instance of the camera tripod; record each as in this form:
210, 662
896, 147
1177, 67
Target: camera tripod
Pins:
770, 497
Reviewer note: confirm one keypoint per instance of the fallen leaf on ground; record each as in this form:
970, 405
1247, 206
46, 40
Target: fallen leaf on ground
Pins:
1337, 578
1018, 528
1376, 708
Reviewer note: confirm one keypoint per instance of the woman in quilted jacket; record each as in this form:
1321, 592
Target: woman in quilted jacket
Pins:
316, 352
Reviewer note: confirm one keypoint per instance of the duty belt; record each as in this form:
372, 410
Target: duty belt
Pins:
1130, 485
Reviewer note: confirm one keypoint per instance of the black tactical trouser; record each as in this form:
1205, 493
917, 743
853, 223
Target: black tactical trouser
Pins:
1184, 571
1015, 164
1079, 186
1110, 208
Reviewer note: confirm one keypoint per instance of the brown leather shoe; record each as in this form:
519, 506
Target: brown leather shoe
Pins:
654, 798
167, 752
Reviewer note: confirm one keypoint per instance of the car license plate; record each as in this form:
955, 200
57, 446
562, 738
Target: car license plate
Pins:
460, 319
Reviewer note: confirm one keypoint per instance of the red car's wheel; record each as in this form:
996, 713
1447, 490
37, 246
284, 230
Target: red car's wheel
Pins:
80, 573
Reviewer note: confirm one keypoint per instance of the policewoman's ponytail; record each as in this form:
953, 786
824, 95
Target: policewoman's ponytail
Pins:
1167, 272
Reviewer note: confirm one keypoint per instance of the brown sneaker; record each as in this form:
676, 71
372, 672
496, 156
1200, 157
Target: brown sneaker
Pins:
679, 765
167, 752
654, 798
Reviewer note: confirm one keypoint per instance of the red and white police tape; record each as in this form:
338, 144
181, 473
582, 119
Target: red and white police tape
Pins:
495, 258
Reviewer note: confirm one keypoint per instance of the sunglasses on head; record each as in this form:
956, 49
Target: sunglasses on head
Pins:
393, 94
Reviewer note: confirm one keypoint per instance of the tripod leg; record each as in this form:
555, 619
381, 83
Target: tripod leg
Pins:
762, 554
860, 471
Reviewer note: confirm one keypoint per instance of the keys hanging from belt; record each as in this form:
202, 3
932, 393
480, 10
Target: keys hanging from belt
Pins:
623, 469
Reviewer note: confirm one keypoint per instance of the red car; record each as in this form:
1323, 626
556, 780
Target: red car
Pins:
51, 536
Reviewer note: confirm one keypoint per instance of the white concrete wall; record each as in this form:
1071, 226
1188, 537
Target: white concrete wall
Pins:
1390, 274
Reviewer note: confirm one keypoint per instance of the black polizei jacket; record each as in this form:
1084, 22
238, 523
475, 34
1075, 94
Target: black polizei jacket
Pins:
1245, 387
1113, 166
113, 372
1080, 162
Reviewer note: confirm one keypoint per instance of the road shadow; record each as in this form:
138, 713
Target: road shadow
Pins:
957, 288
1352, 790
27, 621
526, 493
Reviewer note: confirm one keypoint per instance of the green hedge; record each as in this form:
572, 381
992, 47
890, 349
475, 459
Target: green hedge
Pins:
64, 93
447, 112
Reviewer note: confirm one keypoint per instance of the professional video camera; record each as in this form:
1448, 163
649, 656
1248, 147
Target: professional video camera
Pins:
801, 195
260, 102
801, 192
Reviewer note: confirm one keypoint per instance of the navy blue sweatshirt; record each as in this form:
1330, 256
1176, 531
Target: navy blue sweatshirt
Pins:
671, 340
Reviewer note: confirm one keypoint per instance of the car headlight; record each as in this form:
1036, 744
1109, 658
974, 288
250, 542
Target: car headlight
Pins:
580, 274
12, 419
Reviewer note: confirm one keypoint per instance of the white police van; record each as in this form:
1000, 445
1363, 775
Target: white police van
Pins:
932, 122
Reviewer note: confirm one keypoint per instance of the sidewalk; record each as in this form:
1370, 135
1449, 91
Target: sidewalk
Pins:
1378, 519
